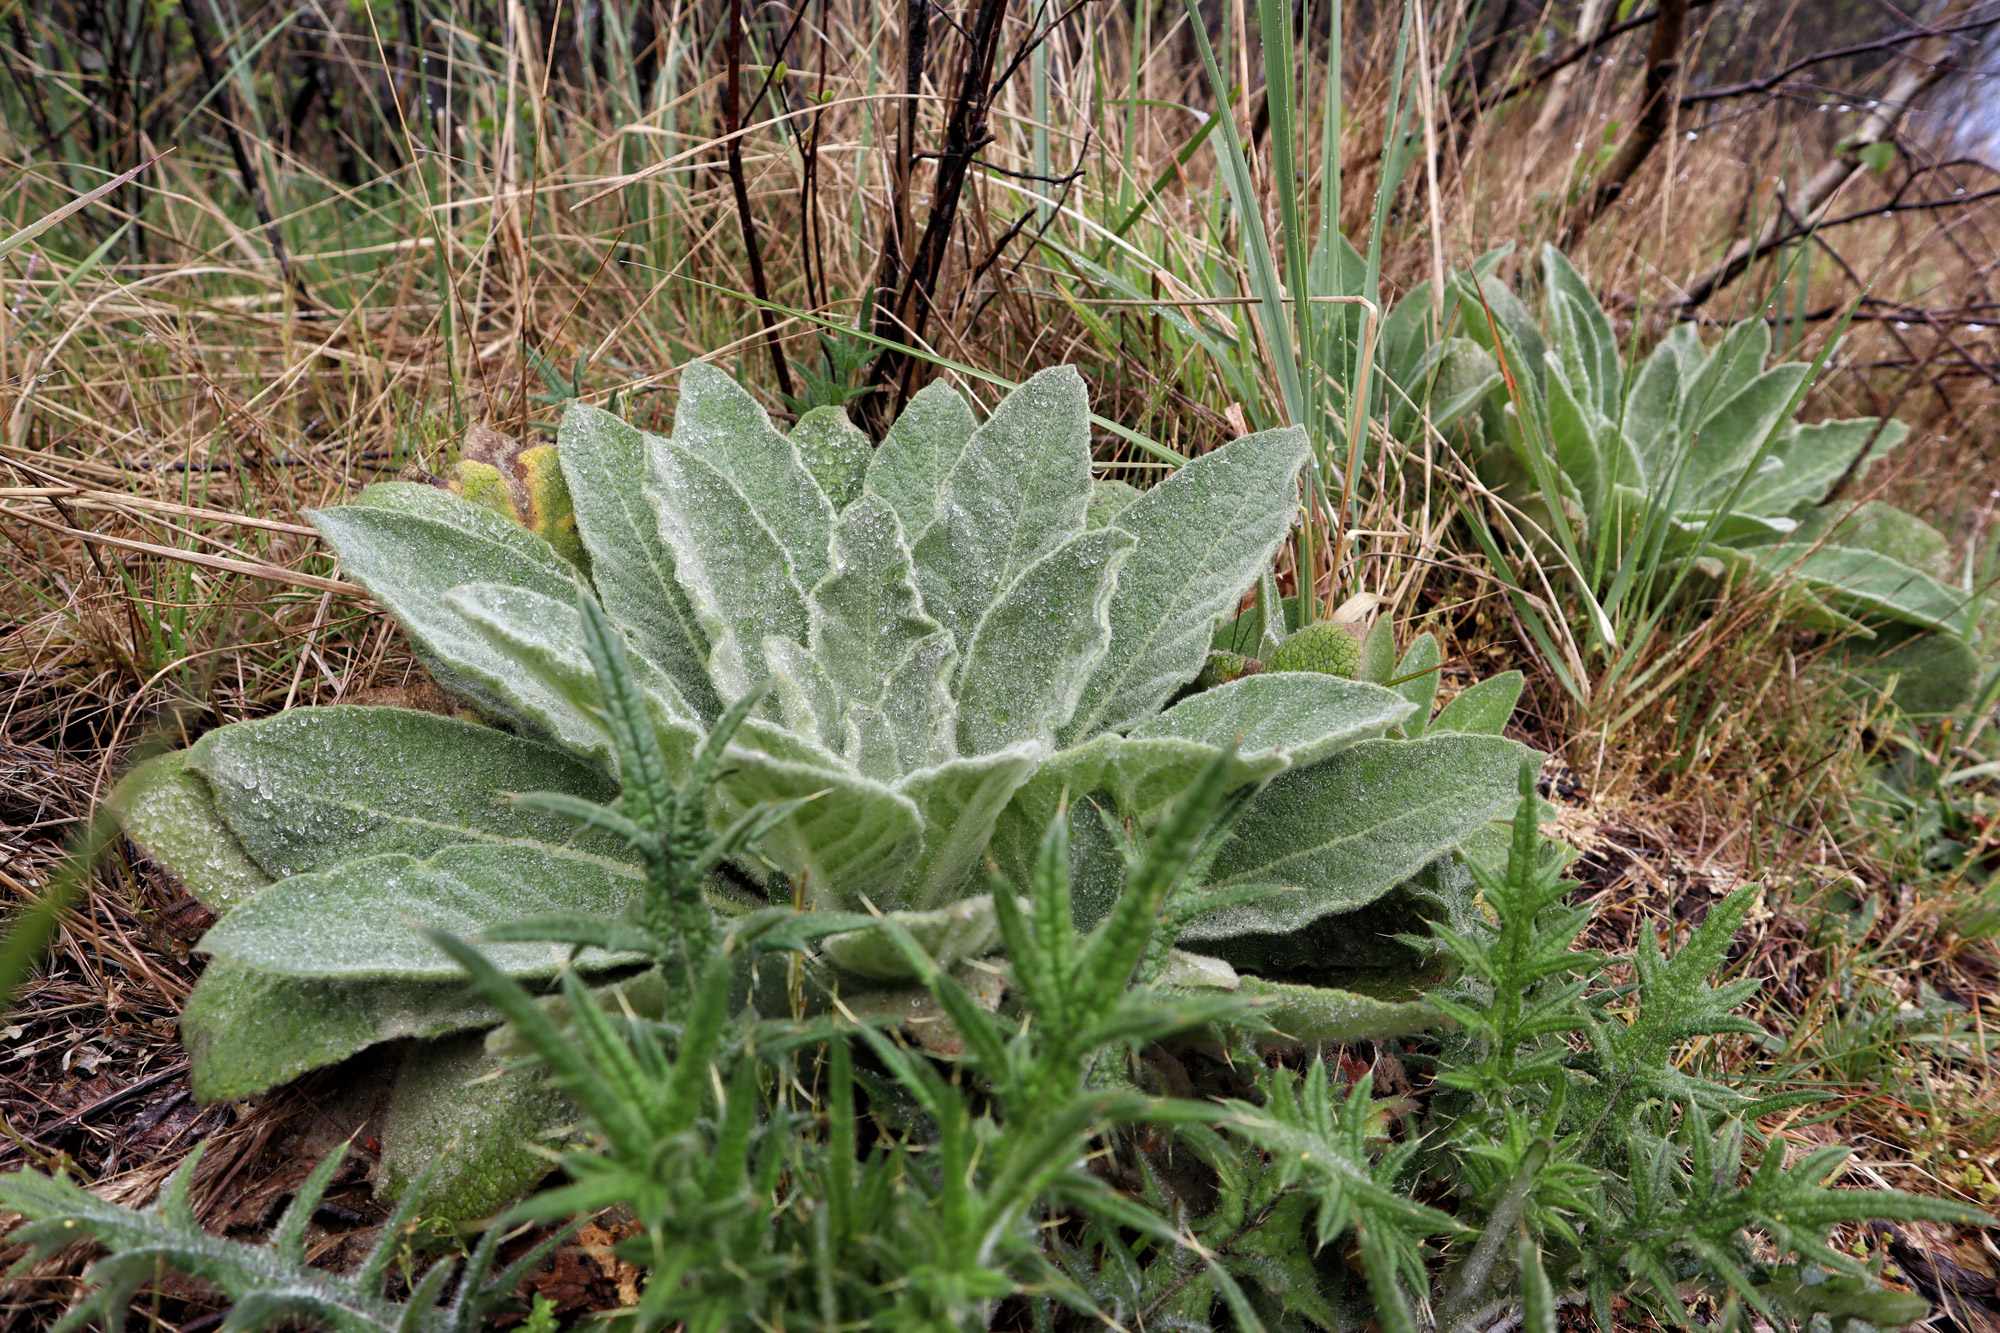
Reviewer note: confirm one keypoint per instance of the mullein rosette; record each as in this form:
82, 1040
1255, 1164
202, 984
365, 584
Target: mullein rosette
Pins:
959, 632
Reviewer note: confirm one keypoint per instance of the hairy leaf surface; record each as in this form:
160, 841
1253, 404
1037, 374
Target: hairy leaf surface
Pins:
604, 461
960, 802
1347, 830
922, 447
721, 424
1204, 534
361, 918
1306, 715
866, 616
1028, 661
165, 807
1016, 493
409, 545
736, 571
316, 786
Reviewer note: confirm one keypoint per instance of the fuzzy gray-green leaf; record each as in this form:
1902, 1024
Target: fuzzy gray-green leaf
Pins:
965, 929
919, 705
865, 615
1811, 458
361, 918
856, 837
1483, 709
409, 545
1034, 649
1416, 679
1651, 414
803, 696
919, 452
1868, 583
1729, 436
734, 568
1204, 535
1347, 830
165, 807
1016, 493
1139, 776
1591, 345
604, 463
835, 451
1716, 376
721, 424
247, 1030
961, 802
1109, 499
1305, 714
545, 637
868, 741
475, 1128
1324, 1015
316, 786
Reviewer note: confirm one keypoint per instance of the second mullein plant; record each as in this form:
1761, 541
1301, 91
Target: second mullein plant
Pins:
956, 634
1639, 473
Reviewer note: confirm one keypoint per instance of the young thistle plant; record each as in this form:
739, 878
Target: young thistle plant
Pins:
665, 825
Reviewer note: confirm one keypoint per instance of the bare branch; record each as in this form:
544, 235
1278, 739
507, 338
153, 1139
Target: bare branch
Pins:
1656, 106
1562, 60
1808, 208
1770, 81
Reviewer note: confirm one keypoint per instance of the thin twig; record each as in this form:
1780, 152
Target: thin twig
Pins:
746, 223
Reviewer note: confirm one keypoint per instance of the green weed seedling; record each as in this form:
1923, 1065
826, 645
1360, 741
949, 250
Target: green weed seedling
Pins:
1567, 1148
1567, 1152
269, 1285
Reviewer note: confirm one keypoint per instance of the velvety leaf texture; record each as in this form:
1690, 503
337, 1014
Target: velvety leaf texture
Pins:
166, 808
729, 430
1036, 644
604, 461
1204, 535
545, 637
866, 616
736, 571
1343, 832
919, 452
478, 1136
1306, 715
317, 786
960, 802
835, 451
410, 555
355, 919
855, 837
247, 1030
1017, 492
